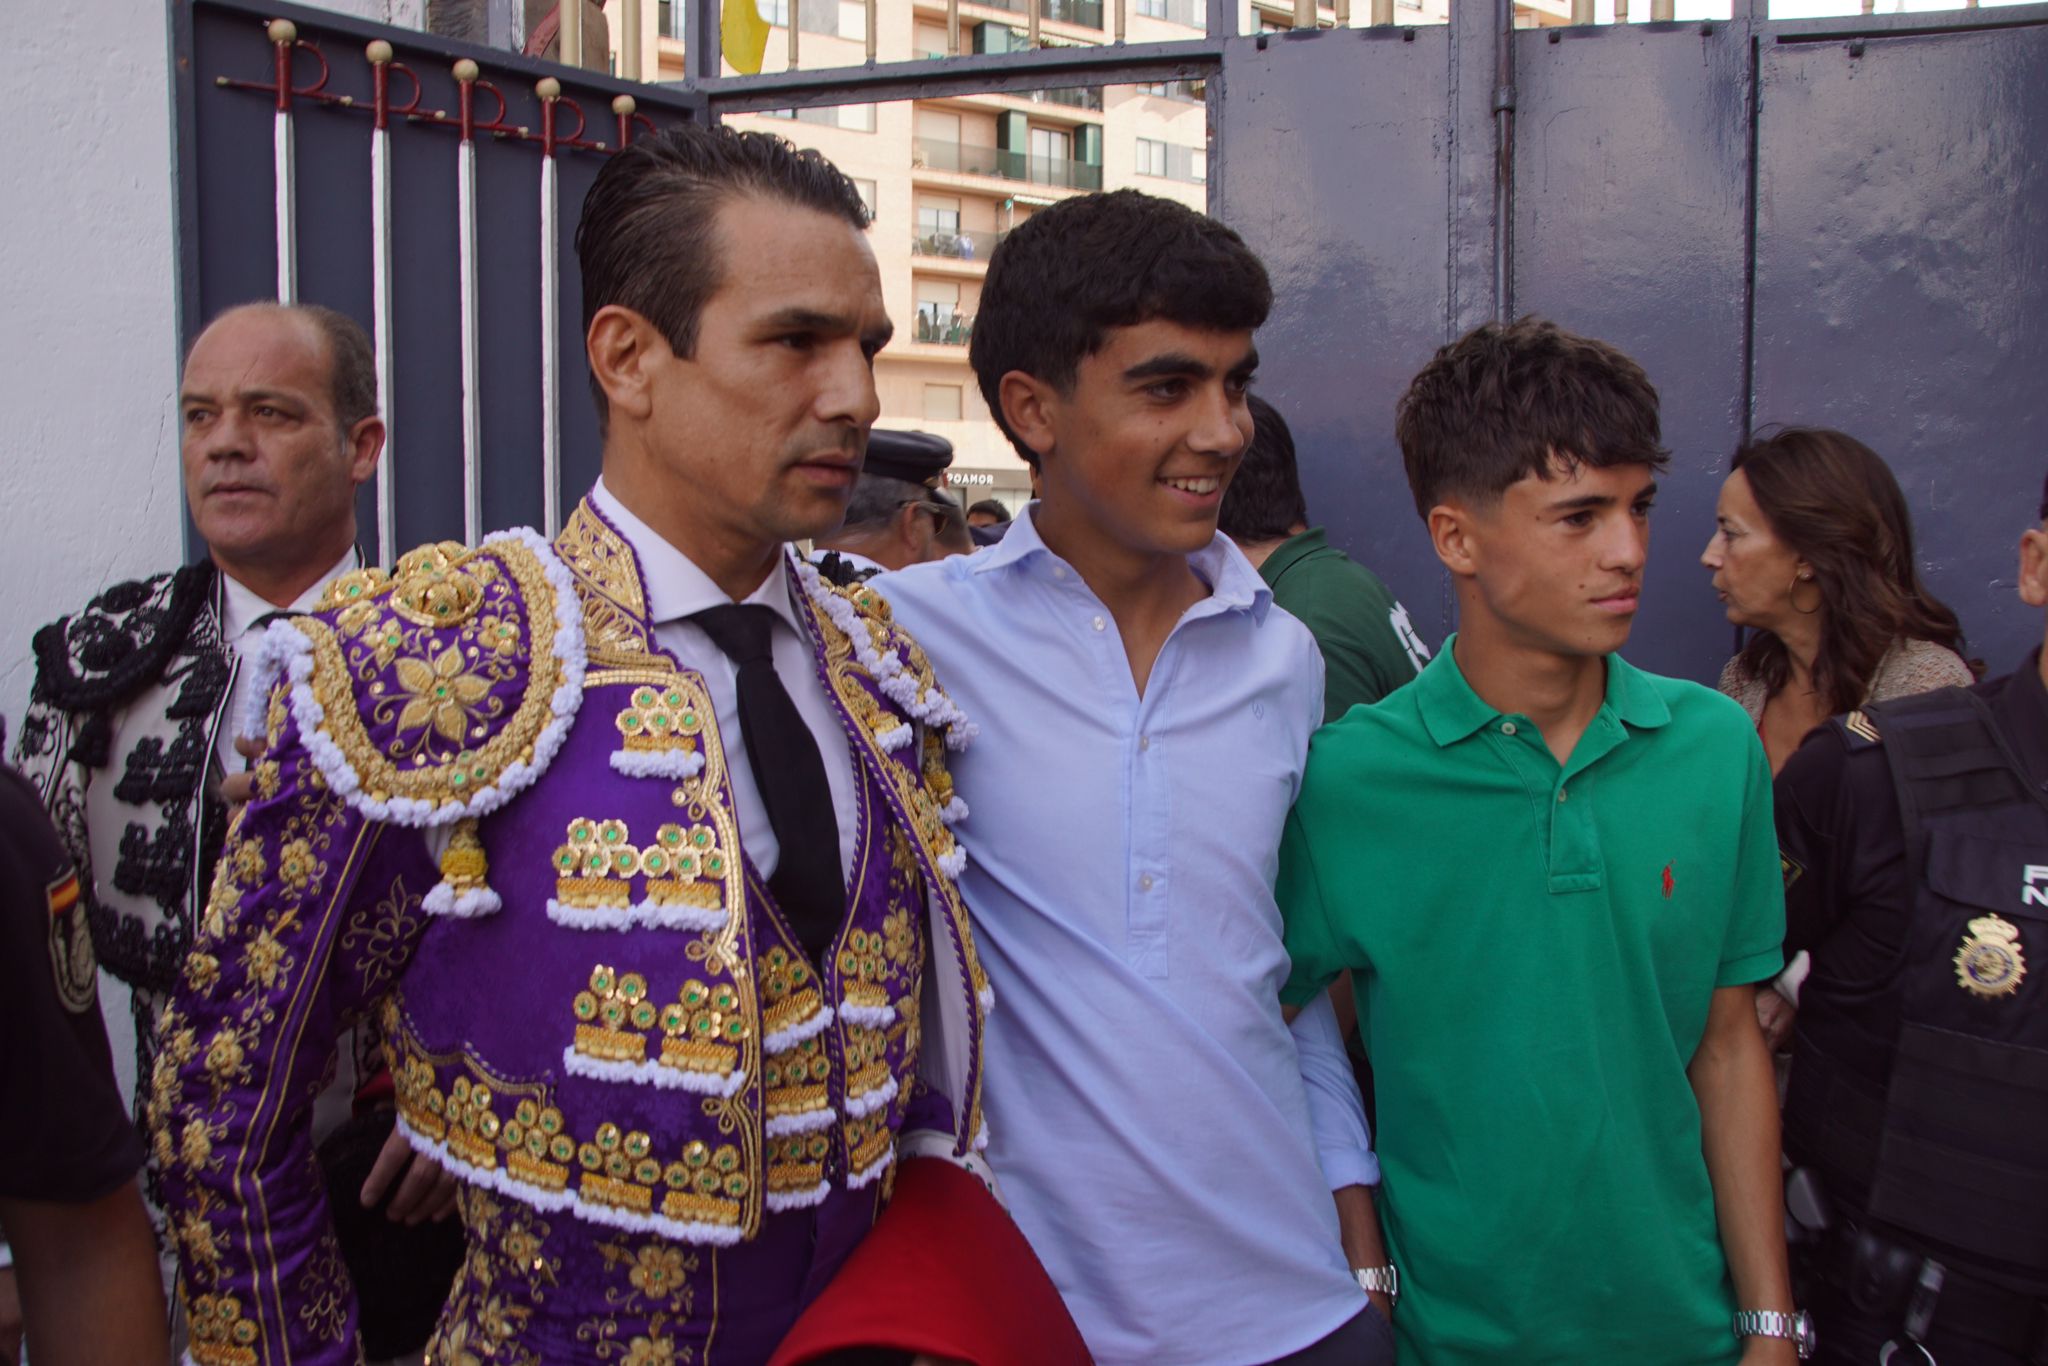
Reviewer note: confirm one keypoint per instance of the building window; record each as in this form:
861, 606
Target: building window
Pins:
934, 218
1198, 159
859, 117
775, 12
776, 113
1151, 157
866, 190
942, 403
665, 19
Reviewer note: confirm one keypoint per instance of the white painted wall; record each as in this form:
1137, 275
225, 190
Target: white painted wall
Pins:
89, 480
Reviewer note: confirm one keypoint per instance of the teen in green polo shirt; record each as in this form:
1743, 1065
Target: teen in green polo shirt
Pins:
1554, 878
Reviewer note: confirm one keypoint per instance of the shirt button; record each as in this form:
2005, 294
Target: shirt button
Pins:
1098, 623
1144, 742
1059, 571
1507, 728
1145, 883
1562, 794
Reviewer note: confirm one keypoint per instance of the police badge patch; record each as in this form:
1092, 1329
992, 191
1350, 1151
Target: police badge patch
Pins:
1989, 964
71, 959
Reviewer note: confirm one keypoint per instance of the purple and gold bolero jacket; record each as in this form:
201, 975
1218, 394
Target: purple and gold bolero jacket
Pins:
496, 812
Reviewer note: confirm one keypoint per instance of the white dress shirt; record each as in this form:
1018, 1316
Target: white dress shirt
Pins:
240, 608
676, 588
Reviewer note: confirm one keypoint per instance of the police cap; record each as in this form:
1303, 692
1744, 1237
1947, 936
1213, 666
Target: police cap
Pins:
913, 457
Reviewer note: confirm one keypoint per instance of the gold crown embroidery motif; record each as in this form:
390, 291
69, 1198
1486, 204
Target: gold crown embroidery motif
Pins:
660, 719
683, 868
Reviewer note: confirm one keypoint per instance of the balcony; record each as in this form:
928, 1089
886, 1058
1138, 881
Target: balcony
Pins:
958, 244
943, 329
965, 158
1081, 13
1073, 97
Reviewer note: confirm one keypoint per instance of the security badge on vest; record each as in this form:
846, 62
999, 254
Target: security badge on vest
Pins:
597, 1015
1990, 962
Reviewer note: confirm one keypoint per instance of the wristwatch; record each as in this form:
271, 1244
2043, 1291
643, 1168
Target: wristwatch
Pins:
1379, 1280
1768, 1323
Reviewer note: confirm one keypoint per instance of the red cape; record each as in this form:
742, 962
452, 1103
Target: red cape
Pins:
944, 1272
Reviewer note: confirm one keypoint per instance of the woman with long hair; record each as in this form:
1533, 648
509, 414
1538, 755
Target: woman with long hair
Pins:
1813, 553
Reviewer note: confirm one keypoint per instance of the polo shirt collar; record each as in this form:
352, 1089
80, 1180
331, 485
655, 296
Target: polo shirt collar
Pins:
1451, 710
1233, 584
1293, 551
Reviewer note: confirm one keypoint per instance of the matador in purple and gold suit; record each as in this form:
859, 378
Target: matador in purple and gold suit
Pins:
496, 811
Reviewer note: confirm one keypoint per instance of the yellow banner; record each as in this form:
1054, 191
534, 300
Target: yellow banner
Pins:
743, 35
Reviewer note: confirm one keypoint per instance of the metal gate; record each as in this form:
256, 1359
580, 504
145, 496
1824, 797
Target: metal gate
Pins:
491, 421
1827, 221
1836, 222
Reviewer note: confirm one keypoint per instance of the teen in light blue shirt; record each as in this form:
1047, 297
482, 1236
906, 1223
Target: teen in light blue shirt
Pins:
1145, 713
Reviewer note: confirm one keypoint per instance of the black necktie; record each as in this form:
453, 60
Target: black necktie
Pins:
790, 774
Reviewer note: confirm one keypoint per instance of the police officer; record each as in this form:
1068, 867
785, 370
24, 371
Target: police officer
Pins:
1914, 836
897, 516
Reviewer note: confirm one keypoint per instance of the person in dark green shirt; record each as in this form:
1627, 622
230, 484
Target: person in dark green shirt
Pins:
1554, 880
1369, 645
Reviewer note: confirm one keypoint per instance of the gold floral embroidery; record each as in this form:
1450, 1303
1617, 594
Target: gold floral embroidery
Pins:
615, 608
899, 939
657, 1270
262, 958
499, 633
794, 1079
440, 694
248, 863
297, 869
446, 740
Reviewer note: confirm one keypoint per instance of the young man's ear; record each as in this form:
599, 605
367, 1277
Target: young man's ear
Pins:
620, 344
1451, 527
2034, 567
1028, 406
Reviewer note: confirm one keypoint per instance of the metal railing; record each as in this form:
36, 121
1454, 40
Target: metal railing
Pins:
1084, 13
1070, 97
943, 329
967, 158
957, 244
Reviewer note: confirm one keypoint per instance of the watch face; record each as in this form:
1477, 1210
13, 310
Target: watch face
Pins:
1802, 1324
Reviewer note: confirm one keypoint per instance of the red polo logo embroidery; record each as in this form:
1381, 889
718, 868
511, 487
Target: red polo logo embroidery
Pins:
1668, 883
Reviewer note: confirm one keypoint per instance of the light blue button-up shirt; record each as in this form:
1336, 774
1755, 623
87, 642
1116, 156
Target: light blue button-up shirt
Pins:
1147, 1110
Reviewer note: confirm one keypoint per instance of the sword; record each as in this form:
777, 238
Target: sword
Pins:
550, 90
283, 34
472, 391
379, 53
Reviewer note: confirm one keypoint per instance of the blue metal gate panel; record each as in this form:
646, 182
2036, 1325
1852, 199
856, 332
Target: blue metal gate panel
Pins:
1887, 279
228, 253
1338, 173
1902, 285
1630, 224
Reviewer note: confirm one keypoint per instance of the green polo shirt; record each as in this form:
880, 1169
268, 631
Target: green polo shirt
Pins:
1534, 949
1369, 645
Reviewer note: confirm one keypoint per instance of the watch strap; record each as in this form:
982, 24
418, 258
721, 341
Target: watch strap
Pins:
1379, 1280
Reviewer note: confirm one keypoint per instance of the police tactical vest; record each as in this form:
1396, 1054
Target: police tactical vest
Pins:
1926, 1107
